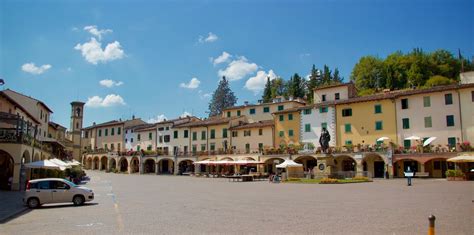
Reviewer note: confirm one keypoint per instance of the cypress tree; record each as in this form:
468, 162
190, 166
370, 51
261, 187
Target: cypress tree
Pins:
267, 92
222, 98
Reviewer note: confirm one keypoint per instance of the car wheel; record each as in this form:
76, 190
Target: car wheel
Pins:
33, 203
78, 200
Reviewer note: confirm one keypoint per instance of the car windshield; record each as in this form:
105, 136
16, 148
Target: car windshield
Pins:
71, 183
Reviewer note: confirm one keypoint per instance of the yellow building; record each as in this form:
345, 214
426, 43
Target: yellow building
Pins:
363, 120
252, 137
287, 127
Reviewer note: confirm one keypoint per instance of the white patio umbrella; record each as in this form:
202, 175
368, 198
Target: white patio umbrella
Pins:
205, 162
383, 138
428, 141
73, 163
462, 158
60, 162
44, 164
413, 137
289, 163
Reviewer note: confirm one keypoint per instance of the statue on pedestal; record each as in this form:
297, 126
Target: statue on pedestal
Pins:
324, 140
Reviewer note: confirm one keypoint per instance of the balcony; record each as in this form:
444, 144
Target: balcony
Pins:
14, 129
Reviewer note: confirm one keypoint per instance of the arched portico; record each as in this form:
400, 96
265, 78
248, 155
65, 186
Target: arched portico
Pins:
36, 157
402, 165
149, 166
165, 166
270, 164
89, 163
6, 170
437, 167
26, 157
345, 163
95, 163
112, 164
186, 167
134, 165
308, 161
375, 165
123, 164
103, 163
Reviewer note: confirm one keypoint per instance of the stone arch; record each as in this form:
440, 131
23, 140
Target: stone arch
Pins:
37, 157
375, 165
185, 166
112, 164
345, 163
226, 159
249, 158
149, 166
95, 163
89, 163
134, 165
103, 163
6, 170
270, 164
165, 166
401, 165
123, 165
437, 167
308, 161
26, 157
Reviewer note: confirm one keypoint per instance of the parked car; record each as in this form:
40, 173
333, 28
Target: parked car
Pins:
55, 190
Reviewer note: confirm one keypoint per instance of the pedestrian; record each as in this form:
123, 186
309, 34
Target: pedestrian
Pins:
10, 180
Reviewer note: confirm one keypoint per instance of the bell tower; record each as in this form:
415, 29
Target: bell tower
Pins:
77, 111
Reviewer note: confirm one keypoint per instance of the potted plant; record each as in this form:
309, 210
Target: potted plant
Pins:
454, 175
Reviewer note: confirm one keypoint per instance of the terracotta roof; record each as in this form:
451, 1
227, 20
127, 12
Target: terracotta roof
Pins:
294, 109
56, 125
19, 106
30, 98
145, 127
333, 85
216, 120
300, 101
254, 125
109, 123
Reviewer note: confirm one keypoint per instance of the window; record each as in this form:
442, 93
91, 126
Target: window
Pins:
347, 128
472, 96
100, 133
86, 134
406, 123
252, 111
175, 134
112, 147
281, 107
247, 148
119, 130
213, 134
281, 118
378, 108
139, 137
194, 135
260, 147
105, 146
426, 101
160, 139
290, 132
235, 133
112, 131
347, 112
324, 125
138, 147
131, 140
228, 113
224, 133
378, 126
406, 144
452, 142
281, 133
348, 142
323, 98
160, 129
106, 132
167, 128
437, 165
307, 127
203, 147
290, 116
323, 109
150, 136
307, 111
336, 96
448, 99
44, 185
247, 133
167, 138
148, 147
428, 122
118, 147
186, 133
405, 103
450, 120
260, 131
212, 147
238, 113
203, 135
194, 148
266, 109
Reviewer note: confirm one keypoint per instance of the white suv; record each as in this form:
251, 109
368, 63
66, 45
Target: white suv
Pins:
55, 190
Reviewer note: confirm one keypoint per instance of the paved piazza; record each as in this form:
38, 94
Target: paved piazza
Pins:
146, 204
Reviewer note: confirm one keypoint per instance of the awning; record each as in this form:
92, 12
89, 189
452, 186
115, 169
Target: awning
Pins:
413, 137
289, 163
44, 164
60, 163
464, 158
73, 163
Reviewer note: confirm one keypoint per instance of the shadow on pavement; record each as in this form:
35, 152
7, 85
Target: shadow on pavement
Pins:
54, 206
22, 212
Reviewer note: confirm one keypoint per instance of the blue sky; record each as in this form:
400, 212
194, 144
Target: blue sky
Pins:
147, 53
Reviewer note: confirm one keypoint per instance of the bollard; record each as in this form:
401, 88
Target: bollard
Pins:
431, 229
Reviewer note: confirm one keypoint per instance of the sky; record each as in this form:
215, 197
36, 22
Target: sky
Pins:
156, 59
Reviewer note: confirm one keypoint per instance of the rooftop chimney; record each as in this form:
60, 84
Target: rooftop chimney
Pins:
246, 103
133, 117
93, 123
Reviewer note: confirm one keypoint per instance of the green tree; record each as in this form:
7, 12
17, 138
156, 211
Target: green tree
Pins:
296, 86
438, 80
326, 77
279, 88
222, 98
314, 81
367, 73
336, 78
267, 92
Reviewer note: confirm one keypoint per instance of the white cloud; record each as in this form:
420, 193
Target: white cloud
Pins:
237, 69
193, 84
221, 59
158, 118
33, 69
110, 83
185, 114
203, 95
93, 53
257, 83
92, 29
108, 101
211, 37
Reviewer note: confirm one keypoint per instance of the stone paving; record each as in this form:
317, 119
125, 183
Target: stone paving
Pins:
11, 205
150, 204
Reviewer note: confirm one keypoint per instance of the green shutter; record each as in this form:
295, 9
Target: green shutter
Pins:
194, 135
252, 111
428, 122
378, 108
281, 118
378, 125
347, 127
307, 127
238, 113
290, 132
406, 144
266, 109
426, 101
280, 107
290, 116
228, 114
213, 134
406, 123
224, 133
175, 134
281, 133
324, 125
203, 135
452, 142
450, 120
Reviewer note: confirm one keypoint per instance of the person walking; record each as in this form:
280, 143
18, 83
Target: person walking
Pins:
10, 180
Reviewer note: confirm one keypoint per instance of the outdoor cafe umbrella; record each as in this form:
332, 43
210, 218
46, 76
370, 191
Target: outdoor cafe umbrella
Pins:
74, 162
428, 141
462, 158
383, 138
413, 137
44, 164
60, 163
289, 163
